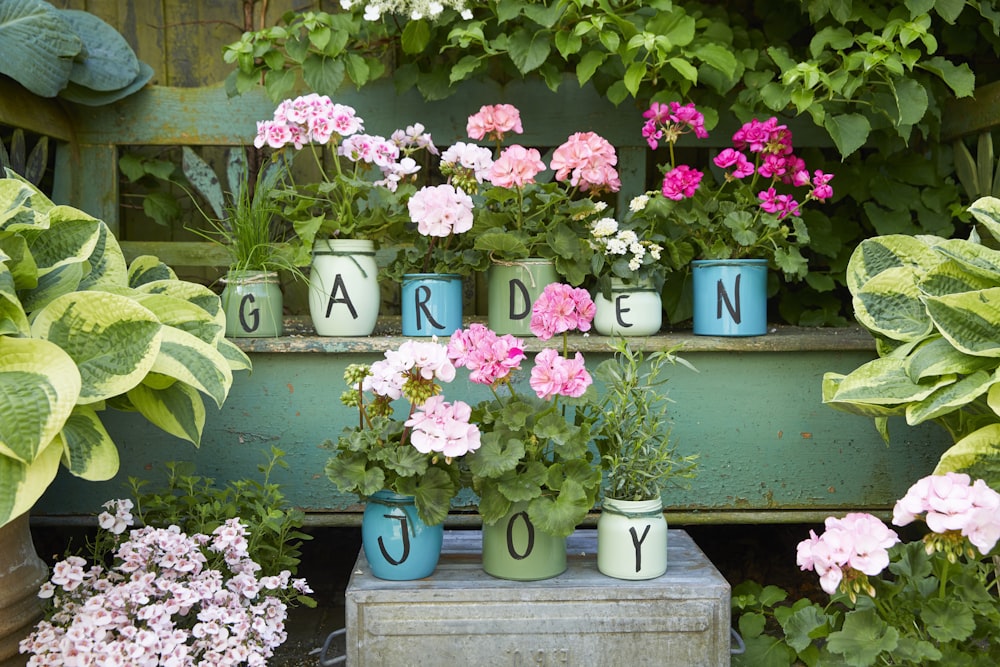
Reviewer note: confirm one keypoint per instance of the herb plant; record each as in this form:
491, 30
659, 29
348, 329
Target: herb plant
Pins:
633, 424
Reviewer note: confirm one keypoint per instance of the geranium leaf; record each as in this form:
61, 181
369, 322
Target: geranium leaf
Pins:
863, 638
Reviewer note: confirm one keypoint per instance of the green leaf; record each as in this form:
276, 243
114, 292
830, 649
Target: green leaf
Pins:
891, 304
323, 75
37, 46
528, 51
94, 98
21, 485
947, 619
717, 57
634, 76
969, 320
89, 452
911, 101
113, 340
495, 456
960, 78
981, 444
883, 381
204, 180
559, 516
432, 492
416, 36
949, 398
39, 386
568, 43
588, 64
863, 638
194, 362
106, 60
805, 625
848, 131
688, 71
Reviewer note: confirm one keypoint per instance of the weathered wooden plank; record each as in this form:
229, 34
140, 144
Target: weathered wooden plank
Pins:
87, 178
20, 108
178, 253
969, 115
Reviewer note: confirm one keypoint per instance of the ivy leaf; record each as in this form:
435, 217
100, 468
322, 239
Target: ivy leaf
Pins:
863, 638
911, 100
161, 207
323, 75
848, 131
416, 36
959, 78
568, 43
717, 57
634, 76
588, 64
528, 51
949, 10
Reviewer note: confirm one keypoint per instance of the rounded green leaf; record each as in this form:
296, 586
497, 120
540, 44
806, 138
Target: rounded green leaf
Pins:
113, 340
107, 62
37, 46
21, 484
39, 385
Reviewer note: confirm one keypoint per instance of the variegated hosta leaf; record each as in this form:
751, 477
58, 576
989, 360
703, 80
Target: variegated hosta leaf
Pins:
951, 277
937, 356
22, 484
993, 396
71, 239
183, 315
970, 321
194, 362
19, 261
39, 385
54, 284
146, 269
881, 382
949, 398
22, 206
107, 263
978, 451
875, 255
197, 294
986, 210
13, 319
831, 382
89, 452
113, 340
237, 358
177, 409
890, 304
973, 257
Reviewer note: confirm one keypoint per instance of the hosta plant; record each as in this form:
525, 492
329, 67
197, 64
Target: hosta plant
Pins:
82, 331
933, 305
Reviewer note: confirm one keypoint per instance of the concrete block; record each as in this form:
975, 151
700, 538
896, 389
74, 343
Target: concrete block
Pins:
461, 615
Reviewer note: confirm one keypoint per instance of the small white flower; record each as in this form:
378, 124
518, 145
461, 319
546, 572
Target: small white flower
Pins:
628, 237
467, 14
604, 227
616, 247
634, 264
638, 203
600, 206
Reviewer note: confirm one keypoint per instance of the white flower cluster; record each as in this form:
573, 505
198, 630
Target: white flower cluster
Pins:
415, 9
162, 603
606, 237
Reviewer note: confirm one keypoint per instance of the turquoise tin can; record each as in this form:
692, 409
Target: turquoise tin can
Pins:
730, 297
398, 545
431, 304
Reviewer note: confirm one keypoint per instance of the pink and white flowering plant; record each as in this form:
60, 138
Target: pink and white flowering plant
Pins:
747, 205
163, 598
347, 200
413, 455
531, 209
535, 443
928, 601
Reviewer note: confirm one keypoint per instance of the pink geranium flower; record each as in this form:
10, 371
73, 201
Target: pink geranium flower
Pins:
439, 426
561, 308
441, 210
489, 357
494, 121
588, 162
516, 167
554, 375
681, 182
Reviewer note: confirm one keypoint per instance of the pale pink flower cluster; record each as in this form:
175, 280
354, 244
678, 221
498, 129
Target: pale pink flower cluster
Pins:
121, 519
953, 503
858, 542
441, 210
161, 604
487, 356
494, 121
588, 161
316, 119
561, 308
439, 426
759, 147
466, 162
516, 167
427, 360
555, 375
